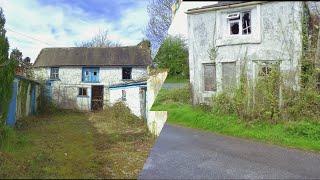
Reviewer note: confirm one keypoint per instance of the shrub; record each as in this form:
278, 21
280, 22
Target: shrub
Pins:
306, 129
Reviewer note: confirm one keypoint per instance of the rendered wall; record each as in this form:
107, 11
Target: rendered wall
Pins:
278, 38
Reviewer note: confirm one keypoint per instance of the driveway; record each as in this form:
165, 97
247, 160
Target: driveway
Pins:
181, 153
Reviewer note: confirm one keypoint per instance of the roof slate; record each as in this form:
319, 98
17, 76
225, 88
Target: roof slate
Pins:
94, 56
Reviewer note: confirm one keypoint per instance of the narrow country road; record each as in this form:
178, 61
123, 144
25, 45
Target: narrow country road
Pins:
181, 153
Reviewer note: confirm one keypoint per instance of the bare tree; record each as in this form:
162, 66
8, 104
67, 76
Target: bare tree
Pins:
99, 40
160, 15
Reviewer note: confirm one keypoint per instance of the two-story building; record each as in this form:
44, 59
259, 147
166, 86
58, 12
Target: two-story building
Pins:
91, 78
225, 35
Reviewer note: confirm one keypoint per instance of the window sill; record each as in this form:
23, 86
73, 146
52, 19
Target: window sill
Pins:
238, 39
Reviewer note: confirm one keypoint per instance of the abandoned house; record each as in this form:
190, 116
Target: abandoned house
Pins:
226, 35
92, 78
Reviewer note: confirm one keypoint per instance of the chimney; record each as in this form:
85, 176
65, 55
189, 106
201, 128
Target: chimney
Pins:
144, 44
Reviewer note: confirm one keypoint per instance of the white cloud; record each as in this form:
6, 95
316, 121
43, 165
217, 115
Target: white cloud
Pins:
62, 26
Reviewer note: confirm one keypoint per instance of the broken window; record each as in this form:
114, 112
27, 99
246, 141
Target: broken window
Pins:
54, 74
228, 75
265, 70
239, 23
209, 77
82, 91
126, 72
246, 23
124, 96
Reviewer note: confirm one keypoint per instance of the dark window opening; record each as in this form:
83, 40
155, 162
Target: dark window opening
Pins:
82, 91
124, 97
234, 28
246, 23
95, 73
126, 72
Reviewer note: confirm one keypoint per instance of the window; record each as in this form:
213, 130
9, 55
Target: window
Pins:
126, 72
82, 91
239, 23
54, 74
265, 71
209, 77
124, 97
90, 74
265, 68
228, 75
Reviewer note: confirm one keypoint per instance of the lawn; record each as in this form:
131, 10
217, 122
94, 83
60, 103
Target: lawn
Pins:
67, 144
301, 135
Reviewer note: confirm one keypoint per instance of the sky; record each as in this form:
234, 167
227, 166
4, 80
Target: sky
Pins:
35, 24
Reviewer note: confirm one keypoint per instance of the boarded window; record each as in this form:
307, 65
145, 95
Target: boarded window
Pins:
126, 72
228, 75
209, 77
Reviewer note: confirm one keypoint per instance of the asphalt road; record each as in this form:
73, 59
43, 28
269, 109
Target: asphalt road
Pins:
183, 153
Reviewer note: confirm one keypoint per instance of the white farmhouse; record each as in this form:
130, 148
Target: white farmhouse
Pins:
92, 78
224, 35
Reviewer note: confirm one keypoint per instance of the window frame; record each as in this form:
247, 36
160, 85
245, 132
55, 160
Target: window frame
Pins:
214, 88
239, 21
124, 74
81, 91
54, 75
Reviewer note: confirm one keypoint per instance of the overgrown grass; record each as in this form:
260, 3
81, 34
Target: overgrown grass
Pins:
296, 134
68, 144
176, 80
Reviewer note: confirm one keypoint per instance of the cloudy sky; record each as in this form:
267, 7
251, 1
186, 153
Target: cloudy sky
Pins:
35, 24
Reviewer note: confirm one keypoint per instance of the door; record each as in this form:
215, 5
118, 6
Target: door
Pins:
33, 99
11, 118
143, 102
97, 98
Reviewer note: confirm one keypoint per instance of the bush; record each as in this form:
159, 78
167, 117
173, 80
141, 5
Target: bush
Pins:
269, 99
306, 129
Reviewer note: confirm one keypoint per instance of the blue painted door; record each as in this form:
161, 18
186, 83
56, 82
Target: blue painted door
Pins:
11, 119
33, 99
48, 90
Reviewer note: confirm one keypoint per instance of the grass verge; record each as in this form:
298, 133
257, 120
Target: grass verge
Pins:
301, 134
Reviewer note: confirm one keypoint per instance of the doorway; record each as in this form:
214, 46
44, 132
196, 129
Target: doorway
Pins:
97, 98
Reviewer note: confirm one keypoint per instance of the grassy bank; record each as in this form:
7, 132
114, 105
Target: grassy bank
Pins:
298, 134
77, 145
176, 80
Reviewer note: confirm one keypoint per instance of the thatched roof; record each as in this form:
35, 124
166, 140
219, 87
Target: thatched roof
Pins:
94, 56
